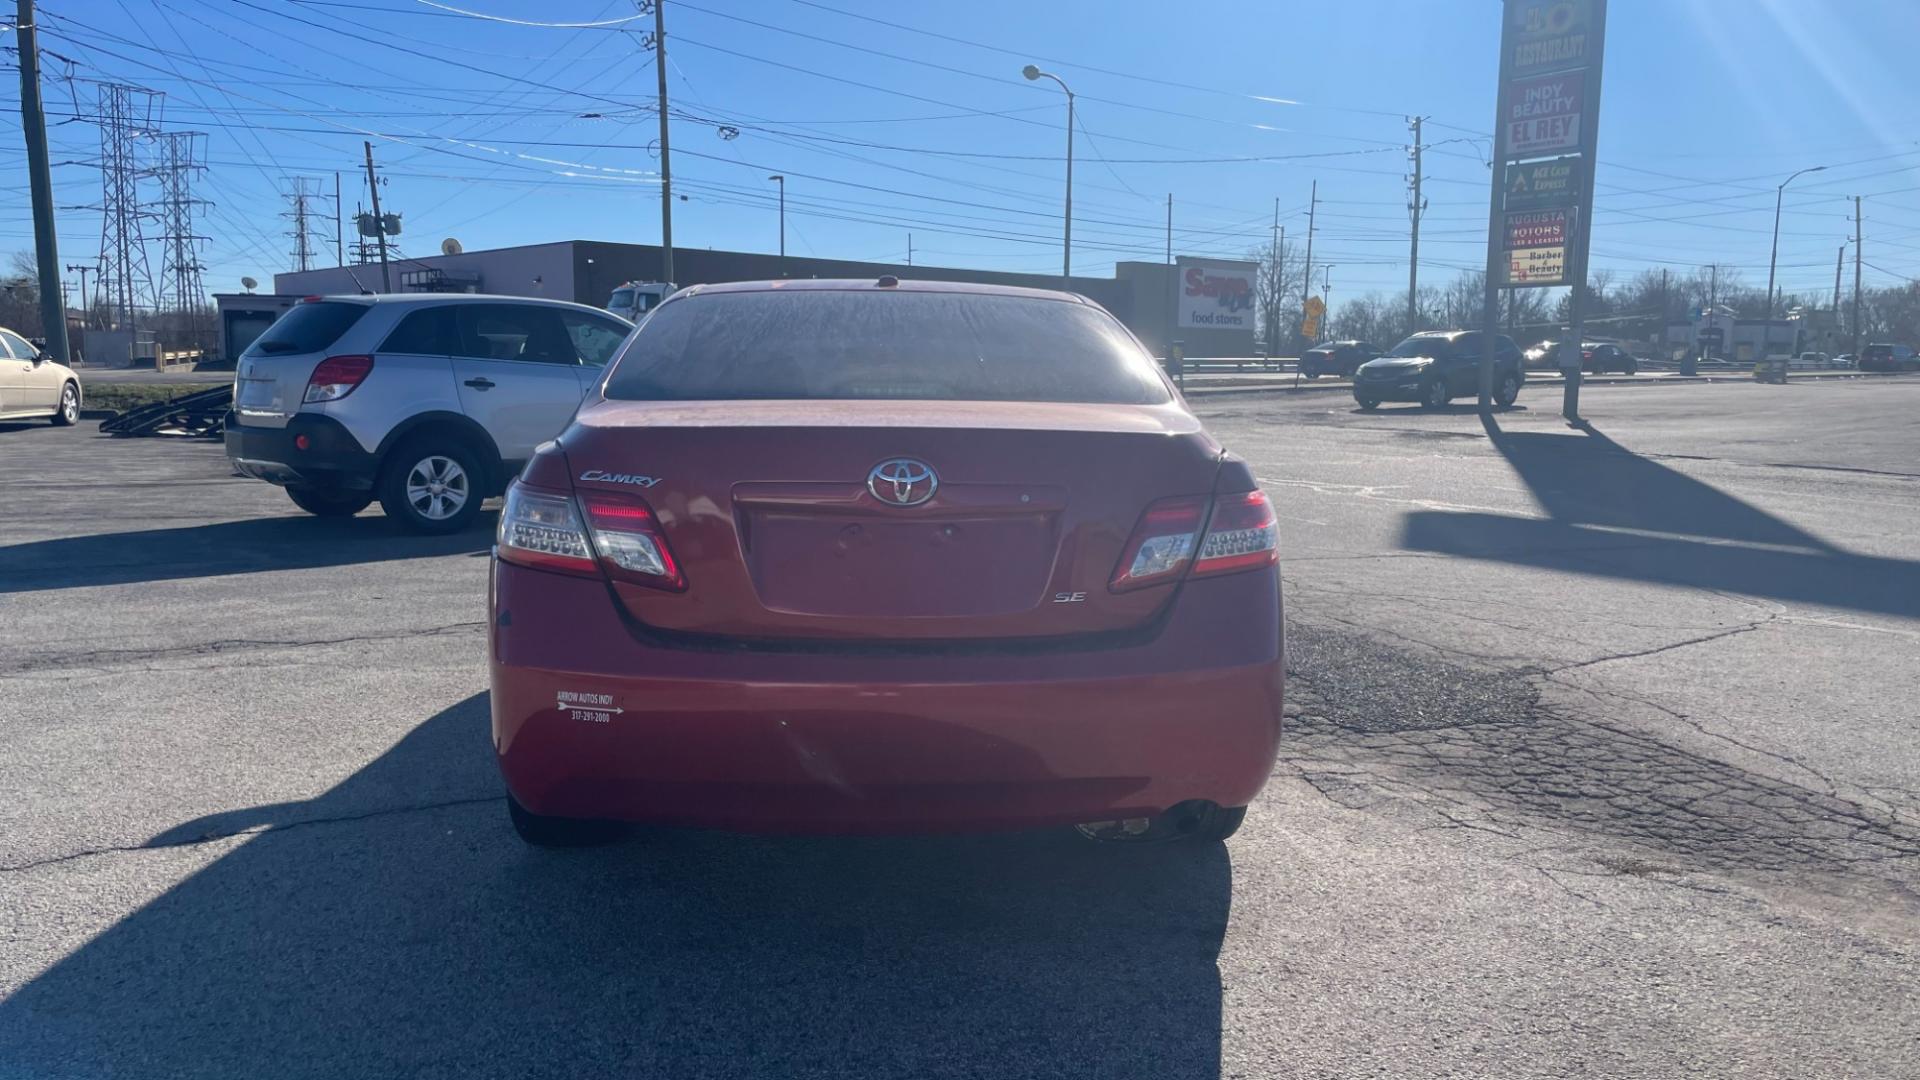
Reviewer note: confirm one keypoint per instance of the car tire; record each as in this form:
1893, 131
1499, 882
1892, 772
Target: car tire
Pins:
1435, 395
1310, 375
1632, 368
1208, 823
432, 485
322, 502
1367, 402
1507, 391
68, 413
542, 830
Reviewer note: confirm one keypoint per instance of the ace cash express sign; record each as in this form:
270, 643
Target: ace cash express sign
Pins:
1214, 294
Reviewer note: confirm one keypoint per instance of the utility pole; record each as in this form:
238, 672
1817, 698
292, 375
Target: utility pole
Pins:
46, 247
782, 181
1415, 209
1839, 260
86, 298
1173, 285
666, 154
1856, 280
379, 223
1313, 204
339, 234
1169, 228
909, 249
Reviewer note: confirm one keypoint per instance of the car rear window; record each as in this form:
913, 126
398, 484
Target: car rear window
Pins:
308, 327
822, 344
1877, 350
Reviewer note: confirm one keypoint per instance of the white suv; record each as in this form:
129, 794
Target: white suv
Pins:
427, 402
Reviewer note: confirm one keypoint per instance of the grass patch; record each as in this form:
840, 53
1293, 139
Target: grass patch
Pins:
121, 397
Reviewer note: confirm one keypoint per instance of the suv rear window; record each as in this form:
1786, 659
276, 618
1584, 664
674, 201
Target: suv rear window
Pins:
308, 327
818, 344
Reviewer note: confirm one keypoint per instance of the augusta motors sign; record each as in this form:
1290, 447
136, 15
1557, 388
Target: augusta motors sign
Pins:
1215, 295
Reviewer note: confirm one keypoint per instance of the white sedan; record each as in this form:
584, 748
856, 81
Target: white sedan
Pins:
34, 384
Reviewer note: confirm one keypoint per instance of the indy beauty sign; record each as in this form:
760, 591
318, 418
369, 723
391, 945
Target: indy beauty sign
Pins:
1549, 99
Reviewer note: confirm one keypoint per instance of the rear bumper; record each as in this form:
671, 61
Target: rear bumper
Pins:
589, 722
333, 458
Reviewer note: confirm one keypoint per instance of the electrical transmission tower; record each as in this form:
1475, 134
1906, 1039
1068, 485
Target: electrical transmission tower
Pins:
300, 200
179, 157
125, 116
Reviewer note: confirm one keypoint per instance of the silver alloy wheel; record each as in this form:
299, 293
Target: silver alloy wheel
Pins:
69, 404
1509, 390
437, 487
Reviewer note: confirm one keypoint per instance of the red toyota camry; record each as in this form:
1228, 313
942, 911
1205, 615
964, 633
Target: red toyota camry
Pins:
834, 556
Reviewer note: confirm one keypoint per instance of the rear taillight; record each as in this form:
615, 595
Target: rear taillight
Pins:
1161, 545
336, 376
544, 530
1242, 535
630, 543
616, 533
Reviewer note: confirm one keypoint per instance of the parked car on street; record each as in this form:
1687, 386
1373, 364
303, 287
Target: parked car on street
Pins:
1844, 360
1337, 358
1602, 357
35, 385
428, 402
1889, 358
884, 556
1436, 366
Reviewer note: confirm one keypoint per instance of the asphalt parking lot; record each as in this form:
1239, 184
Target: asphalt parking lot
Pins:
1602, 761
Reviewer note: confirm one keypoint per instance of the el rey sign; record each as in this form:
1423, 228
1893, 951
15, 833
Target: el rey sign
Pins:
1543, 113
1215, 295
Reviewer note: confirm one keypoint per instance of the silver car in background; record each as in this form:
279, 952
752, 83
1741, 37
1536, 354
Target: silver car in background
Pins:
428, 402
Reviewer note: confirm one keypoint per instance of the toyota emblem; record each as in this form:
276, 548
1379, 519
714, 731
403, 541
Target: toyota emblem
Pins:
902, 482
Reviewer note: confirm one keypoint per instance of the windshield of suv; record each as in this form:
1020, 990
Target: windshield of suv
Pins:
826, 344
1422, 345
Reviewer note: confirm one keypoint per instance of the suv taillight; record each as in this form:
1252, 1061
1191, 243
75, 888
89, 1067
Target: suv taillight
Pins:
619, 534
336, 376
1242, 535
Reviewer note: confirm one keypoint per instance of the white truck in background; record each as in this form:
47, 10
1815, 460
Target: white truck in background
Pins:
635, 299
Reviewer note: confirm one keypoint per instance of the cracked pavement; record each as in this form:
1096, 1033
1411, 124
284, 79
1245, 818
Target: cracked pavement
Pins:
1601, 762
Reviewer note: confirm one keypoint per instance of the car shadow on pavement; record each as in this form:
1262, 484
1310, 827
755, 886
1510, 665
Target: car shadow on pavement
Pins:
294, 542
384, 929
1615, 513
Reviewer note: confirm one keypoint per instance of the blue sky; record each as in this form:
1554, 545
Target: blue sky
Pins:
926, 127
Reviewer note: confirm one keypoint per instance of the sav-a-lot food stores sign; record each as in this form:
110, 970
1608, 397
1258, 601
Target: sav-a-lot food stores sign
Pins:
1548, 96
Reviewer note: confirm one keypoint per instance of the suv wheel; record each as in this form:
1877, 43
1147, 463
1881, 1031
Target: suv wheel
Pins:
1367, 402
542, 830
1434, 395
329, 503
69, 412
432, 485
1632, 367
1508, 391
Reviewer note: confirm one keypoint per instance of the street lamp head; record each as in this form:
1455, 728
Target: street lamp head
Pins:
777, 176
1030, 72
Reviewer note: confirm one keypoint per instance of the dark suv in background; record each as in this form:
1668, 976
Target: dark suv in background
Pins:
1889, 358
1337, 358
1437, 366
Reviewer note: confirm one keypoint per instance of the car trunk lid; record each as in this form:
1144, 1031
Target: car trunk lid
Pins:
769, 510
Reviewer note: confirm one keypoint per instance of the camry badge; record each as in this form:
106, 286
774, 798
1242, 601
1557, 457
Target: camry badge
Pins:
902, 482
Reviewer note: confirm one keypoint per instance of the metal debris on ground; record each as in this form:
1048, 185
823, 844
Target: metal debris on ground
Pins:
200, 414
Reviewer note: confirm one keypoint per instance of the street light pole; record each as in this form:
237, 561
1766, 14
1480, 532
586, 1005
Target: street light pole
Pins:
1773, 255
782, 181
1066, 257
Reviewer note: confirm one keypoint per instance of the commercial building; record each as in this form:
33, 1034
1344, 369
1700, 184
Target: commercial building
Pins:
1140, 294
